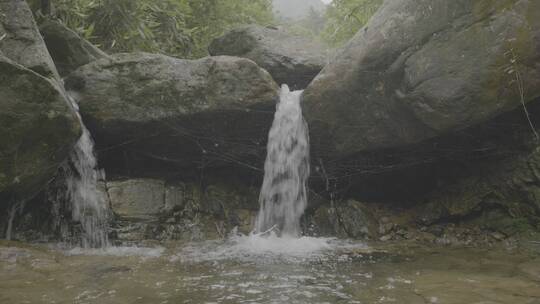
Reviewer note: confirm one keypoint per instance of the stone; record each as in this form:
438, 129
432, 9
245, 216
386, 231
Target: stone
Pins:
498, 236
243, 220
421, 69
37, 130
290, 59
502, 196
68, 50
141, 199
21, 41
325, 223
153, 112
385, 228
357, 220
177, 196
385, 238
156, 209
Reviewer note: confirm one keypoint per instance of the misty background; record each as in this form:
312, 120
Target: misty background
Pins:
298, 9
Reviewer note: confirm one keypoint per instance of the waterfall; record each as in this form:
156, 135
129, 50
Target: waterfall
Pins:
17, 207
89, 204
283, 196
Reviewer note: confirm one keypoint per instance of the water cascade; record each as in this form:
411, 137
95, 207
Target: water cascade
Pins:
89, 204
283, 197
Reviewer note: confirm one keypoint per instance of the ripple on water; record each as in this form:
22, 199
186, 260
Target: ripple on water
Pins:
247, 269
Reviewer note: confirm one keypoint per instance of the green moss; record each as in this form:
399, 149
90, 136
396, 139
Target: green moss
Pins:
37, 129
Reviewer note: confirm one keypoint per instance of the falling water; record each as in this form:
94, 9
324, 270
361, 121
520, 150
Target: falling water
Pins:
88, 202
283, 196
17, 207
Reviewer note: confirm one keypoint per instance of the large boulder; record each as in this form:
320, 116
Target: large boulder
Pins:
37, 124
20, 40
37, 130
145, 108
68, 50
290, 59
422, 68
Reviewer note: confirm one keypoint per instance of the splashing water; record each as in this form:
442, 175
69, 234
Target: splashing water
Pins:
283, 200
88, 202
266, 249
283, 196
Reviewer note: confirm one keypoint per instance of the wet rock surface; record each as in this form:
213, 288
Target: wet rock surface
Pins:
37, 125
349, 219
169, 131
156, 209
500, 198
37, 130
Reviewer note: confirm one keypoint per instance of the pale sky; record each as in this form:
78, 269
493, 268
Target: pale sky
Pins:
326, 1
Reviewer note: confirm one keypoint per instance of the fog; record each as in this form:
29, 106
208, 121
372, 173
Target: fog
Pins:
297, 9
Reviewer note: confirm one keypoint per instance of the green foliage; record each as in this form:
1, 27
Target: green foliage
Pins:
185, 28
345, 17
335, 26
182, 28
211, 18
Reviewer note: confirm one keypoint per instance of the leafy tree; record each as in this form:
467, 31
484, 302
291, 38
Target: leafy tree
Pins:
211, 18
344, 18
182, 28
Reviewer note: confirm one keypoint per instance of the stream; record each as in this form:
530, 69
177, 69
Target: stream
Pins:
247, 270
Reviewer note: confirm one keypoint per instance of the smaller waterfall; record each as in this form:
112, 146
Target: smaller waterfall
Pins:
283, 197
88, 202
17, 207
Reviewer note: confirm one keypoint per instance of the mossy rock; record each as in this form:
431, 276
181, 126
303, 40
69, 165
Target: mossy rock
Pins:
21, 41
68, 50
290, 59
37, 130
503, 195
148, 108
421, 69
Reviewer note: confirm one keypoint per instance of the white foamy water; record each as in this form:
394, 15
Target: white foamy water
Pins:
88, 202
265, 249
283, 196
283, 200
118, 251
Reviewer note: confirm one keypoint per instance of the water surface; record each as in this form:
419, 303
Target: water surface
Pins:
247, 270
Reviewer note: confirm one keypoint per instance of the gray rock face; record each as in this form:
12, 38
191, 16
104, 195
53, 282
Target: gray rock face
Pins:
174, 110
20, 40
37, 130
68, 50
350, 219
290, 59
357, 220
37, 126
504, 197
155, 209
422, 68
137, 199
